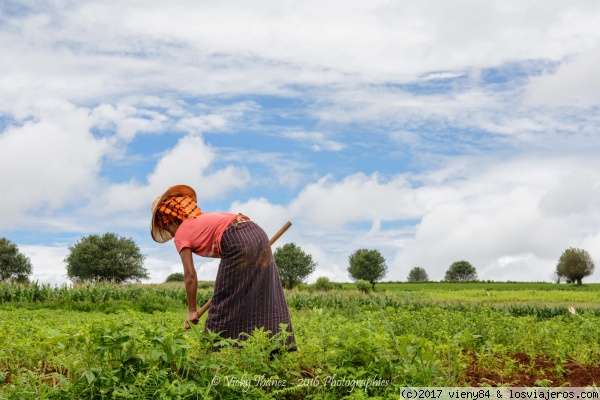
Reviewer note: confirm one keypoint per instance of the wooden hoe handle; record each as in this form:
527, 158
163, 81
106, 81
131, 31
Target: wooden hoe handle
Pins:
280, 232
273, 240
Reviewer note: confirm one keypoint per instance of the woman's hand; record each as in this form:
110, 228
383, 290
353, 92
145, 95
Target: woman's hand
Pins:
192, 317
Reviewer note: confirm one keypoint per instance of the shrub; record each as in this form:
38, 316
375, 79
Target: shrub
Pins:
363, 286
324, 284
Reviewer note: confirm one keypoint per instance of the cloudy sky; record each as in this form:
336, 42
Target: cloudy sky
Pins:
433, 131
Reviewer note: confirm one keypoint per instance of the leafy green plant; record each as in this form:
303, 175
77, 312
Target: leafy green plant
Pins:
363, 286
49, 349
324, 284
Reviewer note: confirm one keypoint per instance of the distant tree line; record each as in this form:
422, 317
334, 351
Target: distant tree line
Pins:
107, 257
110, 257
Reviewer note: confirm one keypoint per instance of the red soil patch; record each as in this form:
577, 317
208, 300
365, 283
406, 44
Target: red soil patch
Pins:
520, 370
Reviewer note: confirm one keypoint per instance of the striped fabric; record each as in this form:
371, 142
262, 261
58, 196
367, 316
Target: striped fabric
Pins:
248, 292
176, 209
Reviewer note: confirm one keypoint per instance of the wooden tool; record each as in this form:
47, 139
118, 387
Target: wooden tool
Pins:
273, 240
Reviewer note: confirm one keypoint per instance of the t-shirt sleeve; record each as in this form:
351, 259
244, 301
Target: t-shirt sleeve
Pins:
182, 240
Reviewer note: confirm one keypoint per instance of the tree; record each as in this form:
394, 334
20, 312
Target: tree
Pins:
417, 274
107, 257
575, 264
14, 266
175, 277
461, 271
368, 265
293, 264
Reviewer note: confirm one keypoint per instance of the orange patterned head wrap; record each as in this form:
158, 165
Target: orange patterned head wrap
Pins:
176, 209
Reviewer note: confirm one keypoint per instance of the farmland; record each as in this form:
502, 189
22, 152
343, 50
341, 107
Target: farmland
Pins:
104, 341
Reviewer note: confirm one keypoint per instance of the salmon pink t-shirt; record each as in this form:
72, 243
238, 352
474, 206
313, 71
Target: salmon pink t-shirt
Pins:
203, 233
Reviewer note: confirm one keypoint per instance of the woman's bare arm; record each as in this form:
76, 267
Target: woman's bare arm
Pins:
190, 280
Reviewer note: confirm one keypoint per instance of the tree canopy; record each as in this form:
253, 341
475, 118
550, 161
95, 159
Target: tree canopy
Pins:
175, 277
575, 264
14, 266
368, 265
107, 258
417, 274
461, 271
293, 264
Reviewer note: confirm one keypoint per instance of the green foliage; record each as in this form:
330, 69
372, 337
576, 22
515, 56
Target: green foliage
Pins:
293, 264
417, 274
175, 277
105, 258
63, 354
394, 340
151, 302
324, 284
14, 266
363, 286
575, 264
461, 271
368, 265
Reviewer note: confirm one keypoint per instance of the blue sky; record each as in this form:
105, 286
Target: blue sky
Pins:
431, 131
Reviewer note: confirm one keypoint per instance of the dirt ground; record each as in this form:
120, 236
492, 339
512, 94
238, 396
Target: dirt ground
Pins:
520, 370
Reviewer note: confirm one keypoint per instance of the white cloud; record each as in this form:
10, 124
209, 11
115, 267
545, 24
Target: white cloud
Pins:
490, 213
442, 75
493, 214
575, 83
68, 69
48, 161
98, 50
317, 140
356, 198
576, 193
271, 217
128, 120
186, 163
47, 262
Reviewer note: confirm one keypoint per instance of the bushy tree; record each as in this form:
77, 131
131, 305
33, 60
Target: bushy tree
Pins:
323, 283
293, 264
175, 277
575, 264
461, 271
14, 266
363, 286
368, 265
107, 258
417, 274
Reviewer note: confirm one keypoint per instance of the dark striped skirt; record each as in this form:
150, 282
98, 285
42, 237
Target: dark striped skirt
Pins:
248, 292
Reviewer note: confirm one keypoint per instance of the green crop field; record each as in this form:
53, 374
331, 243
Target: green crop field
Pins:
103, 341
